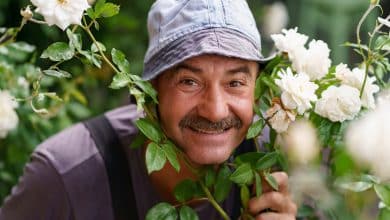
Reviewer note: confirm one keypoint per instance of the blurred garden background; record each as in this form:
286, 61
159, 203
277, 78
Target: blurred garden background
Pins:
87, 94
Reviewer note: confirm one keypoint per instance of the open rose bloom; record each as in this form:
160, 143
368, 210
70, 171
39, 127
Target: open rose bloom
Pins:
61, 12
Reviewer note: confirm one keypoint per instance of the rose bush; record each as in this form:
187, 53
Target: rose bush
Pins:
298, 94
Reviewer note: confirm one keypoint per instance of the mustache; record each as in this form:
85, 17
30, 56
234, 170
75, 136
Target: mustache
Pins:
200, 123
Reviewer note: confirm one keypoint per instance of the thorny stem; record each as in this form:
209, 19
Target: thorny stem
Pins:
213, 202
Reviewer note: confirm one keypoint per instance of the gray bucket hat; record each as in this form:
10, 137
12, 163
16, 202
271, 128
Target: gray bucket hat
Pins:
181, 29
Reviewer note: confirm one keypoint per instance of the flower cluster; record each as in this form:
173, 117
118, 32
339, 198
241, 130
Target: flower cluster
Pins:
305, 86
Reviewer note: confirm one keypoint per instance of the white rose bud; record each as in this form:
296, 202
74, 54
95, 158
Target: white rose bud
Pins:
300, 142
368, 140
8, 117
297, 90
339, 103
61, 12
275, 18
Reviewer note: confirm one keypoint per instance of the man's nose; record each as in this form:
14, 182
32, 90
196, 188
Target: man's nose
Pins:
213, 105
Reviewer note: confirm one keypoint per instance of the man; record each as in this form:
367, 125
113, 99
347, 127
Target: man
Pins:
203, 58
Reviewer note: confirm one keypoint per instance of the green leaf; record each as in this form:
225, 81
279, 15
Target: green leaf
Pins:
91, 13
155, 158
139, 97
75, 41
58, 51
120, 80
105, 10
354, 186
267, 161
162, 211
210, 176
185, 190
149, 129
243, 174
245, 196
255, 129
96, 45
119, 58
146, 87
53, 95
384, 214
259, 187
250, 157
383, 192
57, 73
187, 213
271, 181
222, 185
170, 153
382, 43
138, 141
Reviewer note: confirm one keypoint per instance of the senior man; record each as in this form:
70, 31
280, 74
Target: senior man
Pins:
203, 59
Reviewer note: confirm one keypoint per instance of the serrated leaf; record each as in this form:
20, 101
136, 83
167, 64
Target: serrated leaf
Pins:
91, 13
96, 45
58, 51
139, 97
57, 73
120, 80
210, 176
222, 185
149, 129
258, 186
162, 211
185, 190
383, 192
244, 195
155, 158
147, 88
105, 10
119, 58
271, 181
187, 213
267, 161
250, 157
138, 141
75, 41
170, 153
255, 129
243, 174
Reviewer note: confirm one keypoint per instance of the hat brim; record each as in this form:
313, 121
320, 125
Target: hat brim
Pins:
219, 41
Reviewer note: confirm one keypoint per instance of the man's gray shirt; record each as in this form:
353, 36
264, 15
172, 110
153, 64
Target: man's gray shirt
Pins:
66, 178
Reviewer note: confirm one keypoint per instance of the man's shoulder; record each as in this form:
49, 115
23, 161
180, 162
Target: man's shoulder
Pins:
74, 146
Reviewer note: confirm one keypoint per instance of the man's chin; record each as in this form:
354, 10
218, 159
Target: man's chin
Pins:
202, 160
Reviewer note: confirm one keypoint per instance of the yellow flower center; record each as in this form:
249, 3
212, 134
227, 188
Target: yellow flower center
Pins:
62, 1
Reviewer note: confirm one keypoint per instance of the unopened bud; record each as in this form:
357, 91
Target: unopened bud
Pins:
26, 13
374, 2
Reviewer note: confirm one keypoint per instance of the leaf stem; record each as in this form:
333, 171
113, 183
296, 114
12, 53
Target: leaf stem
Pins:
213, 202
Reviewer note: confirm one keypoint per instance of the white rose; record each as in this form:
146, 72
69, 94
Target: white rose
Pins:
61, 12
279, 118
300, 142
275, 18
8, 117
290, 42
355, 78
315, 62
297, 90
339, 103
368, 140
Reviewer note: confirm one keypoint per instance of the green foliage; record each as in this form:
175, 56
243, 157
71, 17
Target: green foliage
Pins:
162, 211
187, 213
155, 157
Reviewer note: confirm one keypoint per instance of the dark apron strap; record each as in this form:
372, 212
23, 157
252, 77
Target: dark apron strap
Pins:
117, 168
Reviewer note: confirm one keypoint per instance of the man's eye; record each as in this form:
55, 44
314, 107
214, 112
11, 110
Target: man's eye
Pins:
235, 83
188, 82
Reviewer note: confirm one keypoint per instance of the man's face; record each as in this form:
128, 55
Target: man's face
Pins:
205, 105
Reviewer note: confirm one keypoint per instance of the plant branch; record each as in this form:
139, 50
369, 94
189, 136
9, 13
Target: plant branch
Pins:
213, 202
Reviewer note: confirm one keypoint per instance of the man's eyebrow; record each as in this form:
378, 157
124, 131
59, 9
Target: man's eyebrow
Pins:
187, 67
241, 69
